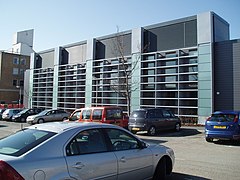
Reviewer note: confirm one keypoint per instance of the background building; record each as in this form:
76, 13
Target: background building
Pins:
13, 64
175, 64
12, 68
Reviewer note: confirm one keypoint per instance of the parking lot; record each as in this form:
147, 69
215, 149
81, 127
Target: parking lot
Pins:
195, 158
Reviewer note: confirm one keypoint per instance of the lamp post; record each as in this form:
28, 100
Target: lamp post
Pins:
20, 97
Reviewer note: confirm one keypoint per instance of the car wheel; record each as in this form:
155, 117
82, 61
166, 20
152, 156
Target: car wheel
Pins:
209, 139
160, 172
65, 118
152, 131
22, 120
177, 127
40, 121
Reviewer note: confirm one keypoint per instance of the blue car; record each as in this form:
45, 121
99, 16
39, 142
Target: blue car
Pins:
223, 125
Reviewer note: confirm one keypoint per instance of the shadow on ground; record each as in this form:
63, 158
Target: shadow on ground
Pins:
179, 176
2, 126
227, 142
182, 133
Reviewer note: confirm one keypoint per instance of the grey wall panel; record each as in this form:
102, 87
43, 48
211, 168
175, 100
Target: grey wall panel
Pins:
106, 48
47, 59
223, 76
221, 29
174, 36
236, 75
76, 53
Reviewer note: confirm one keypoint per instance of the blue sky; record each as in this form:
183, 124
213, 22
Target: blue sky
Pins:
62, 22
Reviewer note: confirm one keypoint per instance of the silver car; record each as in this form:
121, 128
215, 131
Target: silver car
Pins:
83, 151
48, 116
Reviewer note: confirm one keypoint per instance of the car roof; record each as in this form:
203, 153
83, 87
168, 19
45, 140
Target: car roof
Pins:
226, 112
58, 127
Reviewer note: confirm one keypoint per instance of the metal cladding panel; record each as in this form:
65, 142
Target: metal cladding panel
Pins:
223, 76
173, 36
236, 75
106, 48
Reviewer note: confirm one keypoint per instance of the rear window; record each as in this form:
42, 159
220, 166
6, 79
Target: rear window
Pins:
138, 114
97, 114
112, 114
22, 141
223, 117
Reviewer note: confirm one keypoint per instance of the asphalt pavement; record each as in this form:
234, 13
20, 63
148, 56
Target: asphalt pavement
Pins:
196, 159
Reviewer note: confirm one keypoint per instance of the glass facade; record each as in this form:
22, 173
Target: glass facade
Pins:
168, 65
170, 79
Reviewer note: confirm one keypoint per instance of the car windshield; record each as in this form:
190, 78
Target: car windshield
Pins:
223, 117
43, 112
23, 111
138, 114
22, 141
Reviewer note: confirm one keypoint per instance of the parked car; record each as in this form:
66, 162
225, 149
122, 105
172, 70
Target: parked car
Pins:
152, 120
104, 114
48, 116
22, 115
1, 112
61, 150
223, 125
9, 113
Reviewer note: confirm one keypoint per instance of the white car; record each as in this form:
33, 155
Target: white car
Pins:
9, 113
71, 150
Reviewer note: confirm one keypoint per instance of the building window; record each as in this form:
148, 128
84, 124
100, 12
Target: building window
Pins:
23, 61
14, 82
15, 71
15, 60
22, 71
21, 83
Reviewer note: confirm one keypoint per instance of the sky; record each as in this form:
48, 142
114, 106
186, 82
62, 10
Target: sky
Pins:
62, 22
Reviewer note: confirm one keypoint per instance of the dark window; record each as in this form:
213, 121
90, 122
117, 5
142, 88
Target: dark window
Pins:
151, 113
97, 114
113, 114
138, 114
86, 114
89, 141
166, 114
121, 140
14, 82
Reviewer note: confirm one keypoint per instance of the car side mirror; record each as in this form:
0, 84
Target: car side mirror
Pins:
143, 145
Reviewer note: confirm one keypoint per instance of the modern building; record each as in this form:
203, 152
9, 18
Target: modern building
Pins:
13, 64
188, 65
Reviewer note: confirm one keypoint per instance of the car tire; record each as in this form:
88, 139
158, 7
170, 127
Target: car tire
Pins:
177, 127
40, 121
161, 170
152, 131
209, 139
65, 118
22, 120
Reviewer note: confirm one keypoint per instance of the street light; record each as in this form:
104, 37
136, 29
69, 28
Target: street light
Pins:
20, 97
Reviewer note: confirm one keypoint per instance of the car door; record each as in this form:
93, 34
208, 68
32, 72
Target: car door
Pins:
169, 119
50, 116
134, 162
88, 157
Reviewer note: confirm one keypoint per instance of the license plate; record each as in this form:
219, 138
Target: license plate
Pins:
219, 127
135, 129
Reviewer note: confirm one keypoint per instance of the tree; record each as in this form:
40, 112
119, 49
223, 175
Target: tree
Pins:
124, 86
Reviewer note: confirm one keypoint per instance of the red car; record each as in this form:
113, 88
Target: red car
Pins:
105, 114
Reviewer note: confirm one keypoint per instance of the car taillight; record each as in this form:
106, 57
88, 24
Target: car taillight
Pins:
235, 119
7, 172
